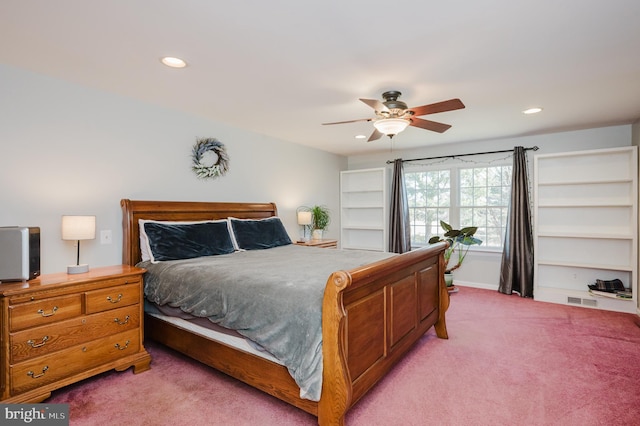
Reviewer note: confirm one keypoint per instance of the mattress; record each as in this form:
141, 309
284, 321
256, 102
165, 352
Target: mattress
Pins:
205, 328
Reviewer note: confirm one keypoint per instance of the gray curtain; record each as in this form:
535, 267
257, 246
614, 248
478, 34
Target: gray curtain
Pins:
516, 271
399, 232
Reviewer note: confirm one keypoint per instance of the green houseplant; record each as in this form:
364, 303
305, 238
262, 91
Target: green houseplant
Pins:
320, 219
459, 242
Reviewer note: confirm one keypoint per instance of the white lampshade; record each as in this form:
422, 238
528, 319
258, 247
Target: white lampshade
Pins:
78, 227
391, 126
304, 218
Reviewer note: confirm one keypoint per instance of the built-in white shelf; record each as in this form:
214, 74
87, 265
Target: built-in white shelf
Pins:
586, 226
363, 211
591, 235
594, 266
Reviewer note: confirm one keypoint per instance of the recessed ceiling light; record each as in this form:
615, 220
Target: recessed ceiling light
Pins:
360, 136
173, 62
532, 110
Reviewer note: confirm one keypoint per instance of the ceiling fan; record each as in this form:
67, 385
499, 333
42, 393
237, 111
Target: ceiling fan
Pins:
393, 116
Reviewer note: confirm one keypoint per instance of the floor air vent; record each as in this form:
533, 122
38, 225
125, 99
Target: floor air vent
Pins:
580, 301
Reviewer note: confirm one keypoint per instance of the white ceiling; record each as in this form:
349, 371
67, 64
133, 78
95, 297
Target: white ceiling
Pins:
283, 67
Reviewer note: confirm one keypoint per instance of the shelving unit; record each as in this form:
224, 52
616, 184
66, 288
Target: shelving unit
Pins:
363, 209
586, 226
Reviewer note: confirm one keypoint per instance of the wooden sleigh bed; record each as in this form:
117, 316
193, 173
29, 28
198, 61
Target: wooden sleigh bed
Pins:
371, 315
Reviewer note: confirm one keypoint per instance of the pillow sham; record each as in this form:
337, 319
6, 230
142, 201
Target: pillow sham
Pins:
180, 240
258, 234
145, 251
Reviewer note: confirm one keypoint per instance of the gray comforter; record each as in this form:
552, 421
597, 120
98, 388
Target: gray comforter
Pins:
272, 296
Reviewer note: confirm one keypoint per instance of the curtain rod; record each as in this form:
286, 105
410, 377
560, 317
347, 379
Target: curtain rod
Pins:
534, 148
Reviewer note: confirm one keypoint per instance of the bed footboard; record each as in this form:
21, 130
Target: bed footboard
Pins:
371, 317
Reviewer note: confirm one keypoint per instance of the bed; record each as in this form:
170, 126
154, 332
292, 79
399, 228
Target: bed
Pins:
371, 315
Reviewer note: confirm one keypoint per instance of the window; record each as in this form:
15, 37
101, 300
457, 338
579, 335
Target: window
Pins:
474, 196
429, 198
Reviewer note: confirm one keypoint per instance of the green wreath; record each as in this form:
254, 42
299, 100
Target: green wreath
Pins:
219, 168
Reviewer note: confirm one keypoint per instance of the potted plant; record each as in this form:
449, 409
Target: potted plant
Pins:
320, 219
459, 242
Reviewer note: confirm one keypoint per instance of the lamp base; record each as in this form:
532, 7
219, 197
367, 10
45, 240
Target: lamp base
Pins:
78, 269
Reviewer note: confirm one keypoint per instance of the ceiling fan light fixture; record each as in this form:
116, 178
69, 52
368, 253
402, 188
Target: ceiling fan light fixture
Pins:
391, 126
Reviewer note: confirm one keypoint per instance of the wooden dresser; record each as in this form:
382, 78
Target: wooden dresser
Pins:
60, 328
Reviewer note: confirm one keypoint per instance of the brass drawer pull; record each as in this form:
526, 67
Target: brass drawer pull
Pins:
122, 348
35, 376
37, 345
117, 320
116, 300
53, 311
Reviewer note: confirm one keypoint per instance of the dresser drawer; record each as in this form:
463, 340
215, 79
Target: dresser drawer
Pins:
59, 365
40, 341
112, 297
46, 311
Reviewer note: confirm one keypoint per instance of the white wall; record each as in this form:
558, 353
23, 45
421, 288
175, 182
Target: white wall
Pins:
482, 266
67, 149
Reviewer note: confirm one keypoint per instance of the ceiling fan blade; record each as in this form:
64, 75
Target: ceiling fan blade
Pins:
375, 104
429, 125
348, 121
375, 135
450, 105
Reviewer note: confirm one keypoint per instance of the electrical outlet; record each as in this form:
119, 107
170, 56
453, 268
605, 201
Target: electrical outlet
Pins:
106, 237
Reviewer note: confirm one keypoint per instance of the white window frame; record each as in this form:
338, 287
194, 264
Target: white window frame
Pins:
454, 208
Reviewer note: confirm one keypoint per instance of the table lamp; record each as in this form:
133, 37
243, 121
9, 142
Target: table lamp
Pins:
304, 220
76, 228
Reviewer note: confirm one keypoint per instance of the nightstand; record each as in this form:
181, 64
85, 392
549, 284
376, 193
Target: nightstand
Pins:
60, 328
318, 243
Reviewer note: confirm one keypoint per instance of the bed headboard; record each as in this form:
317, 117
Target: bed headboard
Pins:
133, 210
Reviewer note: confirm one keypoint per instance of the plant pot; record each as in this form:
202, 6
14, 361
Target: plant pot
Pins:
448, 279
316, 234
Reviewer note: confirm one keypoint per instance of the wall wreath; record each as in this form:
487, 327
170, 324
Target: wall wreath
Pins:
200, 167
